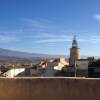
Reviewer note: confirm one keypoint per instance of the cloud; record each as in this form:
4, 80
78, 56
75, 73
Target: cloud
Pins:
97, 17
51, 38
57, 40
41, 24
44, 35
7, 39
95, 39
41, 35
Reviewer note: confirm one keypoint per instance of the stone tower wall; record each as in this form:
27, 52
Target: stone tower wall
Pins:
74, 55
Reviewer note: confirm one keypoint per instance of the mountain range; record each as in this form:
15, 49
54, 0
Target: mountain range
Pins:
11, 56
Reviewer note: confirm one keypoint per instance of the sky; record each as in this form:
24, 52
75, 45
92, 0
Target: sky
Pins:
48, 26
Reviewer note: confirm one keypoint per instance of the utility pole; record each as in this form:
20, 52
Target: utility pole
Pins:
75, 74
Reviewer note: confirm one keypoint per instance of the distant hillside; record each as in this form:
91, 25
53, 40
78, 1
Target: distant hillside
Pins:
17, 56
10, 53
7, 52
7, 59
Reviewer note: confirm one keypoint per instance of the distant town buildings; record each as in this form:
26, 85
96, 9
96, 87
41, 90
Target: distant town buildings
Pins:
13, 72
94, 69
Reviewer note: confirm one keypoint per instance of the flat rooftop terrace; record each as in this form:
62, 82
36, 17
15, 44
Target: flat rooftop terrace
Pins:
49, 88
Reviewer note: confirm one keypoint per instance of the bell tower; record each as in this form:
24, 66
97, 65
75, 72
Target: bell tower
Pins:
74, 52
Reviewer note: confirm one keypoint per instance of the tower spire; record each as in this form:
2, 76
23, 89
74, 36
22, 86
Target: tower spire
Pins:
74, 43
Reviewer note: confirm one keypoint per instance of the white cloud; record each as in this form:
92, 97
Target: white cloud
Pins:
7, 39
11, 32
53, 40
97, 17
57, 40
50, 38
36, 23
44, 35
95, 40
41, 35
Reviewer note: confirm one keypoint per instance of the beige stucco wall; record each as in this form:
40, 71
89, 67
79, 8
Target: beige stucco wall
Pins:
82, 64
49, 89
